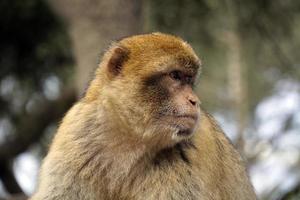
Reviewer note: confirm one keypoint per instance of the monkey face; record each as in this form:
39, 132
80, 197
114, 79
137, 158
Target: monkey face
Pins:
170, 99
150, 81
181, 110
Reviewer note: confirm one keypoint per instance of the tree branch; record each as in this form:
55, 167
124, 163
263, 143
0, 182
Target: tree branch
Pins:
292, 193
8, 178
29, 130
32, 126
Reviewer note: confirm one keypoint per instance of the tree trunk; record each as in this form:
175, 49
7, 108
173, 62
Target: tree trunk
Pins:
93, 24
237, 85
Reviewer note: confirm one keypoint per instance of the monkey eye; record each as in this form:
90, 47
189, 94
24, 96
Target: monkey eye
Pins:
180, 76
176, 75
189, 80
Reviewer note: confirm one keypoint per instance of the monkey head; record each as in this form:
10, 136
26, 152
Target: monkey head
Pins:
146, 86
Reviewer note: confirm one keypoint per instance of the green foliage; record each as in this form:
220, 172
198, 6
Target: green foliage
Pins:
35, 62
33, 41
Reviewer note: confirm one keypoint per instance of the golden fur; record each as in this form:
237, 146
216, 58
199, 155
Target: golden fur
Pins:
107, 147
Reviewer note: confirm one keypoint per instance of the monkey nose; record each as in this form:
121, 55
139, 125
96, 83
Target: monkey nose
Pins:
193, 100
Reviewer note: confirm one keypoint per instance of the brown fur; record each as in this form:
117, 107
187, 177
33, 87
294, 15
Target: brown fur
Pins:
107, 147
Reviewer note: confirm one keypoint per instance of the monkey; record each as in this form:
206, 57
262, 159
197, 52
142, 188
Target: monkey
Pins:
139, 133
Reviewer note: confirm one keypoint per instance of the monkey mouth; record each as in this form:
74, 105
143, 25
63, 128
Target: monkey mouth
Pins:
185, 124
193, 117
184, 132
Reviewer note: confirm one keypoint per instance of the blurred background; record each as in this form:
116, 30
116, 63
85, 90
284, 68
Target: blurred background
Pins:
250, 79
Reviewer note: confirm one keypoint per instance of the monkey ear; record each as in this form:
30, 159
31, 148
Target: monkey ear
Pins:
119, 56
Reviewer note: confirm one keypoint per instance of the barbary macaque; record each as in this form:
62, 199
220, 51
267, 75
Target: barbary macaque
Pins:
139, 133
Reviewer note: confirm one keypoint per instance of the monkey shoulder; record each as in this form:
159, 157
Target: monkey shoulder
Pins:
225, 168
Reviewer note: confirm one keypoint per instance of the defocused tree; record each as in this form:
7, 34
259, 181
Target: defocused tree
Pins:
294, 194
35, 57
93, 24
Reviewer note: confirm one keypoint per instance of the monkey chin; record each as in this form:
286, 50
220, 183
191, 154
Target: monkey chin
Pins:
170, 130
182, 133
